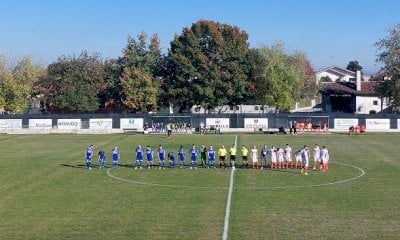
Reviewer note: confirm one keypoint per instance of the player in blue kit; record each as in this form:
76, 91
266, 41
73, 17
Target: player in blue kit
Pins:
102, 158
161, 157
88, 157
149, 157
181, 157
211, 157
115, 157
193, 156
171, 157
139, 156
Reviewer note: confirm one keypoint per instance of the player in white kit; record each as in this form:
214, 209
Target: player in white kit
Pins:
317, 156
297, 156
254, 157
288, 156
305, 155
324, 158
273, 157
279, 154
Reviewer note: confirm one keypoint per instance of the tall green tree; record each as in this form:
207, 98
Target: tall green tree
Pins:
302, 69
16, 86
354, 66
282, 78
139, 81
112, 96
207, 65
15, 96
389, 55
275, 76
73, 84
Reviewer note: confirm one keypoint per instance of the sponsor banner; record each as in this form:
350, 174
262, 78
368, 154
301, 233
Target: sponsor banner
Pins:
11, 123
345, 123
131, 123
68, 123
378, 123
222, 123
256, 123
100, 123
40, 123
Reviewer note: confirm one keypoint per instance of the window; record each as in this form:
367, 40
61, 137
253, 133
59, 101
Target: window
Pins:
231, 108
237, 107
256, 108
262, 108
375, 102
197, 109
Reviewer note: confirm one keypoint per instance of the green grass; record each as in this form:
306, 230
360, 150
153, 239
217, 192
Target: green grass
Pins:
46, 192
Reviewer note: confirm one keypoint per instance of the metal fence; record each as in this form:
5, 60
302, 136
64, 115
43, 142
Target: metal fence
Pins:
275, 120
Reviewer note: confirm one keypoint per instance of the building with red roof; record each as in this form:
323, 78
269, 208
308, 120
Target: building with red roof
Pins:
357, 96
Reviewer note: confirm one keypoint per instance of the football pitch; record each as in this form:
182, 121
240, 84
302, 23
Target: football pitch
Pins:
47, 192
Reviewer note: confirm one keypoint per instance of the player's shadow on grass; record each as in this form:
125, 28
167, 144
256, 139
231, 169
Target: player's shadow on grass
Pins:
292, 171
129, 165
80, 166
73, 166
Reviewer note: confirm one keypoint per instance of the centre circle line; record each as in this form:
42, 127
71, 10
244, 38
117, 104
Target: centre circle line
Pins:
362, 173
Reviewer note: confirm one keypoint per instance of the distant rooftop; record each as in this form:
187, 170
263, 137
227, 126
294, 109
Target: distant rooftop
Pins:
338, 71
367, 88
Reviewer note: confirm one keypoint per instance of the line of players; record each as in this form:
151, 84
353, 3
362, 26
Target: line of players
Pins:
279, 158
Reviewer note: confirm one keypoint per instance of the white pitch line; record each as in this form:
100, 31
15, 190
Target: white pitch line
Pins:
228, 201
362, 173
228, 207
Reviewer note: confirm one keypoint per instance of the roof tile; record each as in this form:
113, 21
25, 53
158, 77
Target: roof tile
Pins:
367, 88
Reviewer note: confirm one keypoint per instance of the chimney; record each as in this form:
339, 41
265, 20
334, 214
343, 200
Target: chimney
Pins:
358, 80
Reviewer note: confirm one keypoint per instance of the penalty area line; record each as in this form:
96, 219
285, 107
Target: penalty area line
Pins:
228, 201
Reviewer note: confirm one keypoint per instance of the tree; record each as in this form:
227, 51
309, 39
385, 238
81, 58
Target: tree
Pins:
305, 73
389, 55
2, 101
283, 77
279, 87
112, 96
16, 86
325, 79
140, 67
354, 66
73, 84
207, 65
386, 89
15, 95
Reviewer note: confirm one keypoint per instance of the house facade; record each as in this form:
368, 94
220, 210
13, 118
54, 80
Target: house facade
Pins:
358, 97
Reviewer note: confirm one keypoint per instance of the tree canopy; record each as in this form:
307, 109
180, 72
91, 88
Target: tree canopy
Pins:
207, 66
140, 65
285, 78
72, 84
389, 55
17, 85
354, 66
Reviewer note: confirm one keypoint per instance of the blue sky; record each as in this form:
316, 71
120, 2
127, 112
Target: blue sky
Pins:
330, 32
